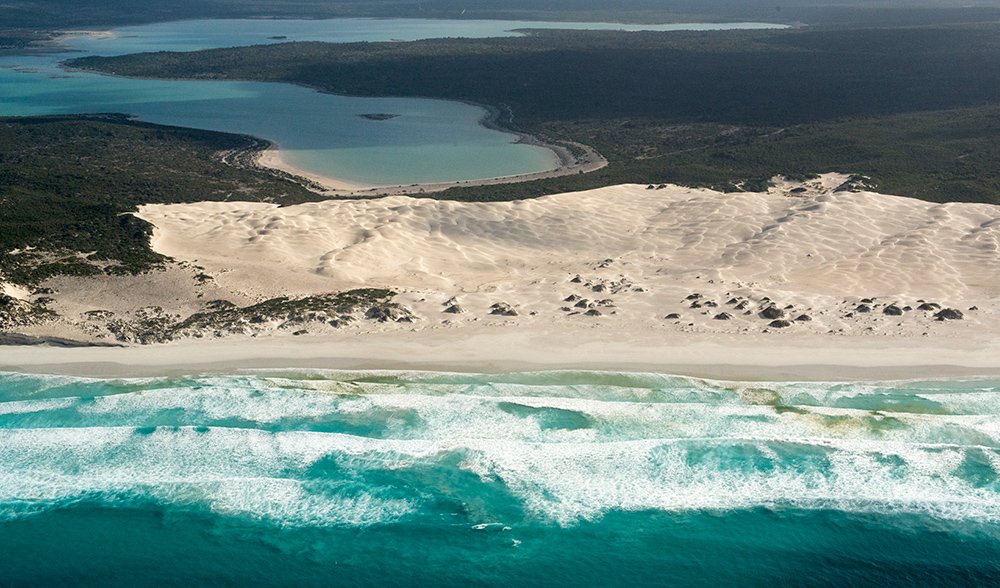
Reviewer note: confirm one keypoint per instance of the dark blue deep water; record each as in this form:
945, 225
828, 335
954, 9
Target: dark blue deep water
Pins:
542, 479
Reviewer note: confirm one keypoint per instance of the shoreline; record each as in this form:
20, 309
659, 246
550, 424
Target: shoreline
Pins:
267, 157
693, 282
804, 358
271, 159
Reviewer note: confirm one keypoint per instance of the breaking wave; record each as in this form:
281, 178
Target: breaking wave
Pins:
355, 449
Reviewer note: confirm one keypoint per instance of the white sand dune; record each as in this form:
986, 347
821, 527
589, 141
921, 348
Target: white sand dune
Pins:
595, 278
14, 291
818, 242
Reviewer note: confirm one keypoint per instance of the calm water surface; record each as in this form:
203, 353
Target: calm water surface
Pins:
430, 140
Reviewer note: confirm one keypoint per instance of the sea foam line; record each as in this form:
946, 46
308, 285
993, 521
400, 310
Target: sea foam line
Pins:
275, 477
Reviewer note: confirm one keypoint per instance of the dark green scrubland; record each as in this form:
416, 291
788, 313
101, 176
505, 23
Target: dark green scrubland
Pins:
737, 77
917, 109
68, 184
221, 317
940, 156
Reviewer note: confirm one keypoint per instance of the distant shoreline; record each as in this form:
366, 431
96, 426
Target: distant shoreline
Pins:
266, 155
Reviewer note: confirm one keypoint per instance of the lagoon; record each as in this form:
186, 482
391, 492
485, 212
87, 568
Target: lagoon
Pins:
429, 141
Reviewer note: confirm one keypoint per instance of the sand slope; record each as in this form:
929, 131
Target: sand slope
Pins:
622, 276
816, 242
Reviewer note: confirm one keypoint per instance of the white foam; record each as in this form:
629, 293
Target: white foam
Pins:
567, 483
218, 402
230, 471
261, 475
407, 414
29, 406
721, 452
977, 395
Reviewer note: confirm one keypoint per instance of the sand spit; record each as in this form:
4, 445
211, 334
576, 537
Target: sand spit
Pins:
628, 272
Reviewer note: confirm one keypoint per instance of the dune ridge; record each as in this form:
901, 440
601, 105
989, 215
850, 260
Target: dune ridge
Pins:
815, 242
820, 273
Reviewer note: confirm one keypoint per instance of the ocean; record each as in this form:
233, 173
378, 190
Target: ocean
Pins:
563, 478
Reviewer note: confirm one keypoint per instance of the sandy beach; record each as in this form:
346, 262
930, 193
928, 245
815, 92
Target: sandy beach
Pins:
273, 158
497, 350
805, 281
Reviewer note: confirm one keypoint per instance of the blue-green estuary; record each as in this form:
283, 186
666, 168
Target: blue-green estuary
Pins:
542, 479
428, 141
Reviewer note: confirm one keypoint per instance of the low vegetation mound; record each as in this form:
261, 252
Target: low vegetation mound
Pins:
69, 183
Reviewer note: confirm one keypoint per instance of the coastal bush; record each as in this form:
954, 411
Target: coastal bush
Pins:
69, 183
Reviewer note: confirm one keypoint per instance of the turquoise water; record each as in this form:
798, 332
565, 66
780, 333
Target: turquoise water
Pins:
191, 35
538, 479
430, 141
